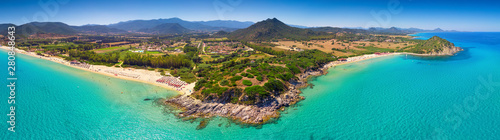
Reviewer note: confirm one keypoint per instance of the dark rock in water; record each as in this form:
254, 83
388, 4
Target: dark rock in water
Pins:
258, 127
147, 99
203, 124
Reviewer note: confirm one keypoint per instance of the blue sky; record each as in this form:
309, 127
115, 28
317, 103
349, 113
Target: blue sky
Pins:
463, 15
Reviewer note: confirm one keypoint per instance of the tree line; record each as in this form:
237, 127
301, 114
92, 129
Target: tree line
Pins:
171, 62
94, 57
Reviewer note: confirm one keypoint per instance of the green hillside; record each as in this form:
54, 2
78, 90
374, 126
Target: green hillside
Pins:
433, 46
271, 29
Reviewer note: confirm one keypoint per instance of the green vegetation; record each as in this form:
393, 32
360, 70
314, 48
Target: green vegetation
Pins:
111, 49
432, 45
94, 58
272, 29
236, 78
274, 86
247, 82
152, 52
247, 75
171, 62
254, 91
260, 78
226, 73
224, 82
217, 90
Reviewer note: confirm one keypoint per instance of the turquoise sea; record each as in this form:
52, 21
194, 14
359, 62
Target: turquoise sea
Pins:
396, 97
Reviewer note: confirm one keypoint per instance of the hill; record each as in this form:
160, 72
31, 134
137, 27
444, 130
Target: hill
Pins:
58, 28
99, 29
434, 46
45, 27
3, 28
271, 29
166, 28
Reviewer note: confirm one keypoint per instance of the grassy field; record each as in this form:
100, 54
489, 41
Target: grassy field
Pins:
111, 49
154, 53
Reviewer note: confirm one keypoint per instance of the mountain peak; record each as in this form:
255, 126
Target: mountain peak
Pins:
275, 20
271, 29
436, 38
271, 22
438, 29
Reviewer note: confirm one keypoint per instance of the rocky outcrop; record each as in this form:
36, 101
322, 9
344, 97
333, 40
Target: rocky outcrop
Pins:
248, 114
448, 50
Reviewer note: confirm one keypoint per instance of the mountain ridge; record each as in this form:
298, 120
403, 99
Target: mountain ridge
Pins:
166, 28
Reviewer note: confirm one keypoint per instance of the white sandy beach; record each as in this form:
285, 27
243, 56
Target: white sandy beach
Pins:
357, 59
132, 74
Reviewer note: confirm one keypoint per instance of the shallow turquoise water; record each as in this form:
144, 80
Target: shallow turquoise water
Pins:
395, 97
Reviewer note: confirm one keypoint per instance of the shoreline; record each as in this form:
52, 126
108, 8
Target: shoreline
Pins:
251, 114
358, 59
143, 76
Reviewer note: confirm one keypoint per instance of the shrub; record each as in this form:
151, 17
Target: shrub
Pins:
274, 85
218, 90
253, 90
285, 77
236, 78
247, 82
224, 82
293, 68
260, 78
243, 74
200, 84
